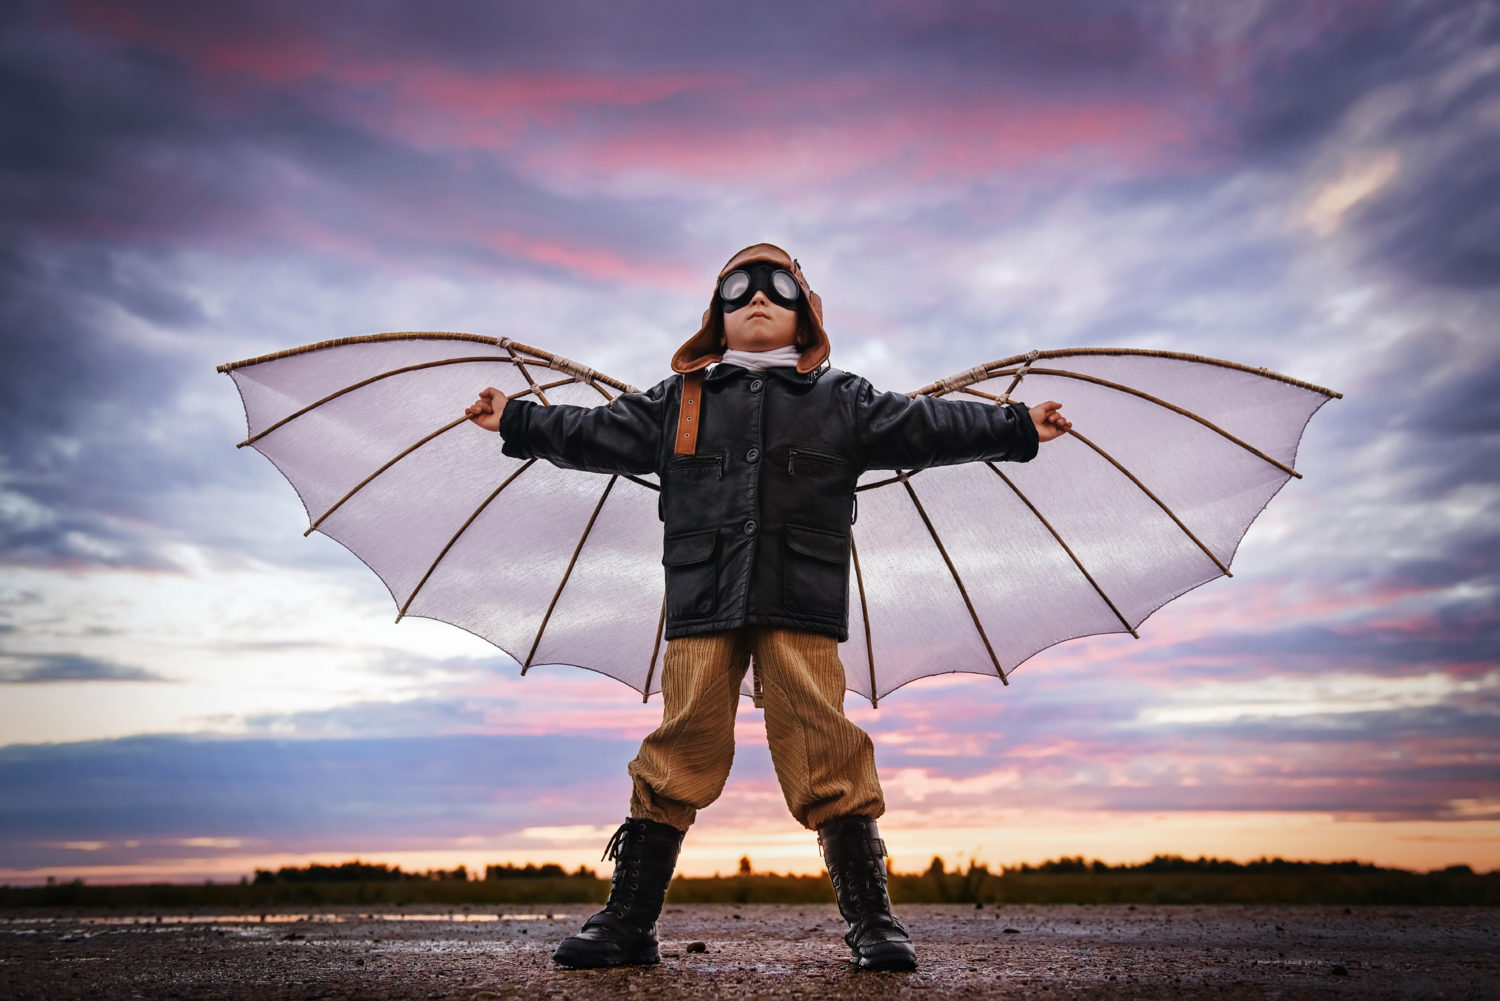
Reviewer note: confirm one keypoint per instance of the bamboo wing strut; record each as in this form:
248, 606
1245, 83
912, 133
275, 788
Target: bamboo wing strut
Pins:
470, 359
1064, 374
981, 372
1065, 547
462, 528
387, 465
568, 573
864, 611
1158, 501
943, 550
661, 621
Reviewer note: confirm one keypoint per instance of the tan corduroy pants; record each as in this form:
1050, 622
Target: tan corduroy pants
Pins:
824, 762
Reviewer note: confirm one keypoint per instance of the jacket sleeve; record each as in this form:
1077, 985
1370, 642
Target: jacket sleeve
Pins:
896, 431
622, 436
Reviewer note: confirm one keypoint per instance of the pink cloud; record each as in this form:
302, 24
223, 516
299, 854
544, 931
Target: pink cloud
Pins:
720, 124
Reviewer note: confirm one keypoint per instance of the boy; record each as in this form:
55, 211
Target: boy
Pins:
757, 498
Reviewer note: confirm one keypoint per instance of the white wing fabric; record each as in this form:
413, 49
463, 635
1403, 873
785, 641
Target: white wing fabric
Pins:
552, 566
1170, 459
969, 568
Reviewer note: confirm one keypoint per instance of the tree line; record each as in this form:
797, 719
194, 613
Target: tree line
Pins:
370, 872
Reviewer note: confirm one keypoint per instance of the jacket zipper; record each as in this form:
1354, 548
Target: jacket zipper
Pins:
702, 460
796, 453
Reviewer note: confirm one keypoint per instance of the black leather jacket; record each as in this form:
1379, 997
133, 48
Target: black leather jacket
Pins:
757, 522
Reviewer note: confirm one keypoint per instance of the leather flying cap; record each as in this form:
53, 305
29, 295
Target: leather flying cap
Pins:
707, 345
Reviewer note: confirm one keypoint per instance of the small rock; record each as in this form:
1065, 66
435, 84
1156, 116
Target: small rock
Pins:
697, 947
291, 937
1339, 970
1010, 931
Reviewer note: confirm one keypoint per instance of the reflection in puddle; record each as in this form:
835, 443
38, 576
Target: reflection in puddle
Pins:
269, 918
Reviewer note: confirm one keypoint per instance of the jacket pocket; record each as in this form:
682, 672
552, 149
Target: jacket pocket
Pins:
815, 571
692, 573
692, 473
702, 464
802, 461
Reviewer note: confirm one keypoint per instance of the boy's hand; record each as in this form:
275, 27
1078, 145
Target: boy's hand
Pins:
485, 411
1049, 421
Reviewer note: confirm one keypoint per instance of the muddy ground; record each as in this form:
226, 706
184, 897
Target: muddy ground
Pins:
761, 951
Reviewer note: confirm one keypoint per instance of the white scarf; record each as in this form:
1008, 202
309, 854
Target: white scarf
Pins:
759, 361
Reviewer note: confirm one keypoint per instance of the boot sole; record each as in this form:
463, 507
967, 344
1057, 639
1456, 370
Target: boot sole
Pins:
885, 961
576, 961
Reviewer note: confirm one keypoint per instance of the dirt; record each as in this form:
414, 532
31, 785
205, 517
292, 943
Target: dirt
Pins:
765, 951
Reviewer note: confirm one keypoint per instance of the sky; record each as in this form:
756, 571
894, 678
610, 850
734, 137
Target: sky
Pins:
191, 689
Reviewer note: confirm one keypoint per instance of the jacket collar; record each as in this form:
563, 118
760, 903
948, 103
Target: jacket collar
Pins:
722, 371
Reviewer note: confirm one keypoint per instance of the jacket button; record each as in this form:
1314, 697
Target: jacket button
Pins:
755, 386
752, 455
750, 527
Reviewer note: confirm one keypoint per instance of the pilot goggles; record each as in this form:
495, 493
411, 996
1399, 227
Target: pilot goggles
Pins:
739, 286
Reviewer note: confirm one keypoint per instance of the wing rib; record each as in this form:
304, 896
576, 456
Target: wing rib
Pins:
956, 578
1064, 374
397, 458
1066, 548
567, 573
365, 382
1159, 502
526, 374
655, 649
859, 579
558, 362
900, 477
992, 369
463, 528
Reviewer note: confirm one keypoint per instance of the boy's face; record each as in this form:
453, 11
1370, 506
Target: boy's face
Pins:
760, 325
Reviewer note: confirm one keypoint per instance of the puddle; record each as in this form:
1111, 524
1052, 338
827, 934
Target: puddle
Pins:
269, 918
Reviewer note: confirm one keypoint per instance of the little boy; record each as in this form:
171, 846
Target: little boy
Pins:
758, 461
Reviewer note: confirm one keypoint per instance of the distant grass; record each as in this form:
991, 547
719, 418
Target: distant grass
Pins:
1381, 887
1316, 885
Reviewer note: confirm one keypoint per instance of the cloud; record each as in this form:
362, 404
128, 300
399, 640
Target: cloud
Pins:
304, 790
1405, 89
30, 669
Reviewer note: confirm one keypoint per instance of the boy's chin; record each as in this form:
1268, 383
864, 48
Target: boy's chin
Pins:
760, 344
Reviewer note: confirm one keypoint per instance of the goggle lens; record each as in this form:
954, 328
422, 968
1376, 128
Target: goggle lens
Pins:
785, 284
734, 285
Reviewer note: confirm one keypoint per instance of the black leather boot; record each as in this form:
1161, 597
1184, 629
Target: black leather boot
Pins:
624, 933
855, 857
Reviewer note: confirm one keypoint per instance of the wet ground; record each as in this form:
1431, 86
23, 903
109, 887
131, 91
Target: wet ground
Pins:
761, 951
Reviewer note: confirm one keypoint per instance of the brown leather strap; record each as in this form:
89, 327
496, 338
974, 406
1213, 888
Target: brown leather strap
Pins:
687, 414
